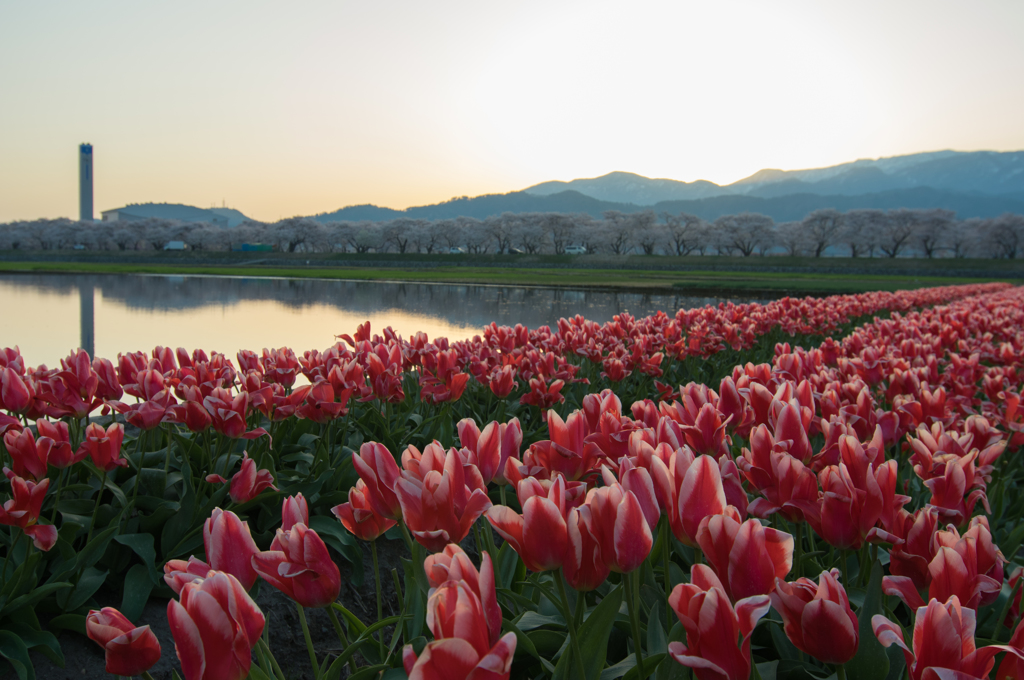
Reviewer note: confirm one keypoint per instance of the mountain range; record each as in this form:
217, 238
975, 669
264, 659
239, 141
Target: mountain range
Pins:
973, 184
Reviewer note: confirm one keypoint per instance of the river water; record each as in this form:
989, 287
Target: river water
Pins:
48, 315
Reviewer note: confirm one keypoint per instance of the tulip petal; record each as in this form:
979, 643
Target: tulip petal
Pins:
188, 643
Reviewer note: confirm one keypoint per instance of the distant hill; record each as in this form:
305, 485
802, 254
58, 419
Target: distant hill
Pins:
794, 206
987, 172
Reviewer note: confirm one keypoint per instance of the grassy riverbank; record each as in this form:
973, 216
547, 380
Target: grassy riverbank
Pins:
838, 280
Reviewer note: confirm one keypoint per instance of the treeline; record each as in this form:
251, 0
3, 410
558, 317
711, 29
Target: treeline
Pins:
856, 233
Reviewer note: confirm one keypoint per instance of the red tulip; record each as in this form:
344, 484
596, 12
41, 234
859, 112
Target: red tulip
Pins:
455, 659
782, 479
465, 604
23, 509
707, 433
638, 481
293, 511
914, 545
943, 643
299, 565
379, 471
790, 426
359, 516
492, 447
747, 557
227, 411
130, 650
503, 381
104, 446
280, 366
698, 492
15, 394
61, 455
215, 626
817, 617
179, 572
539, 534
440, 509
583, 567
320, 404
229, 546
248, 482
28, 455
465, 619
713, 627
566, 452
617, 523
968, 566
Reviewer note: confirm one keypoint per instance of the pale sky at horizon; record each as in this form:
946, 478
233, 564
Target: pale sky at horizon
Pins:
284, 109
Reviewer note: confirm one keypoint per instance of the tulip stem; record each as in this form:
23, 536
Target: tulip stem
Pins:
571, 623
96, 509
309, 640
632, 587
146, 675
840, 672
14, 544
56, 501
380, 602
665, 559
339, 631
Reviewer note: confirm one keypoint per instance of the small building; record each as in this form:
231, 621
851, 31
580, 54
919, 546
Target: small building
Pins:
164, 211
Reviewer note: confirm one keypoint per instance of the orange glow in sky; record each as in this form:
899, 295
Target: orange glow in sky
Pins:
281, 109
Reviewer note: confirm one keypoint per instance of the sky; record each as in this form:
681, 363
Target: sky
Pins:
283, 109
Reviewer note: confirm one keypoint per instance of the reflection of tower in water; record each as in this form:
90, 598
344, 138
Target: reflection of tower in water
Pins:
86, 316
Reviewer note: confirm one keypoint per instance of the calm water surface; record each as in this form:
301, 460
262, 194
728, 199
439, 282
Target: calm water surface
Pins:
48, 315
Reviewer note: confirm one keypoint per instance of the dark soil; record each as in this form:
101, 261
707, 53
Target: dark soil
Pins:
84, 659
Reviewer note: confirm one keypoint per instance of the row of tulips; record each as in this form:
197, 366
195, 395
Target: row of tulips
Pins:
685, 466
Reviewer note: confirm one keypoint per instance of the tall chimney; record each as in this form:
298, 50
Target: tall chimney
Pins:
85, 182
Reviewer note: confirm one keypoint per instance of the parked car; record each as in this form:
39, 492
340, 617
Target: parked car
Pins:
454, 250
575, 250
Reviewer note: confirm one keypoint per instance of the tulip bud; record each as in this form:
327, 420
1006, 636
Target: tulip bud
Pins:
817, 617
130, 650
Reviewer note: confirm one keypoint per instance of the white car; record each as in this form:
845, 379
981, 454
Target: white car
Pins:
575, 250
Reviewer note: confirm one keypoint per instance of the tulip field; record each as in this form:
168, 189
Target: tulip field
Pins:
807, 488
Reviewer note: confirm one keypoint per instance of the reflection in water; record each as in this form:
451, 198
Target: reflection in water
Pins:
121, 313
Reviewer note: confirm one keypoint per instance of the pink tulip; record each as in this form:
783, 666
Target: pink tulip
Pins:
440, 509
179, 572
23, 509
747, 557
215, 626
293, 511
713, 627
377, 468
299, 565
129, 650
617, 522
359, 517
817, 617
104, 446
539, 534
943, 643
492, 446
28, 454
229, 546
247, 483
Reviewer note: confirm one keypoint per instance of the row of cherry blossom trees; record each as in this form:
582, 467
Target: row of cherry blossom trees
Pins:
857, 233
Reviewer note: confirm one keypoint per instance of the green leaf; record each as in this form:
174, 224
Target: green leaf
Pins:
395, 674
137, 587
336, 536
88, 583
650, 663
75, 622
368, 672
593, 638
94, 550
334, 671
657, 638
14, 650
32, 597
870, 661
143, 546
45, 641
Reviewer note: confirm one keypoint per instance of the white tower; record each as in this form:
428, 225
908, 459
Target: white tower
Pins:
85, 182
